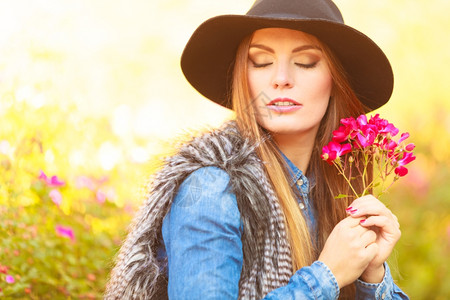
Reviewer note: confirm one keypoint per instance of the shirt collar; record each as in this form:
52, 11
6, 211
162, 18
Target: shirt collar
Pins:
296, 174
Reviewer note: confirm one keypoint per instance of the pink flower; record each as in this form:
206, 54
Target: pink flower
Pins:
363, 141
334, 150
389, 145
348, 131
350, 123
401, 171
371, 144
389, 128
54, 181
340, 135
410, 147
91, 277
56, 197
403, 137
383, 125
10, 279
361, 120
85, 182
65, 232
3, 269
406, 159
101, 197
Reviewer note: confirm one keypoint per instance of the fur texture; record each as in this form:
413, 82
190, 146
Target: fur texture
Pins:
267, 260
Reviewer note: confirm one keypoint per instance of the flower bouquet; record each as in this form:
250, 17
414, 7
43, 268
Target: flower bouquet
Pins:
371, 141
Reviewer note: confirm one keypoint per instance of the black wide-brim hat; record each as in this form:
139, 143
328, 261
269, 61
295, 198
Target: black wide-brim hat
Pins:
209, 55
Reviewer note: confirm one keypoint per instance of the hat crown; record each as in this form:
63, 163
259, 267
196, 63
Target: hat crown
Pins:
297, 9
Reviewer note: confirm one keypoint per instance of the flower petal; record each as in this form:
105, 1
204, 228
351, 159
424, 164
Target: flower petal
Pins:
401, 171
10, 279
65, 232
56, 197
346, 148
55, 181
403, 137
410, 147
42, 175
407, 158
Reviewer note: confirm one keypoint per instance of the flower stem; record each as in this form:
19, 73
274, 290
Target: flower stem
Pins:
341, 171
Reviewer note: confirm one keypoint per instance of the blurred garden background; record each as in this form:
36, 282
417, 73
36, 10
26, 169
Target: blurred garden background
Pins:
92, 96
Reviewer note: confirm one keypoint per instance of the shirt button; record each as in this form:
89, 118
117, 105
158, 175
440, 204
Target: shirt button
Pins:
300, 182
302, 206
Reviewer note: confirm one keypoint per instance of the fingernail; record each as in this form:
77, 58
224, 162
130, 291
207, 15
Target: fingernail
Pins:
353, 211
349, 208
362, 221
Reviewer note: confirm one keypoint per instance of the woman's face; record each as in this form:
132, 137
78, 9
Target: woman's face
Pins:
289, 81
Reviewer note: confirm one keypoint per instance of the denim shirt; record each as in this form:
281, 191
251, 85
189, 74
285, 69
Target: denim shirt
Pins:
202, 237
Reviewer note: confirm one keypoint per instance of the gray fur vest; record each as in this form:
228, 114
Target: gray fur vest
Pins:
267, 261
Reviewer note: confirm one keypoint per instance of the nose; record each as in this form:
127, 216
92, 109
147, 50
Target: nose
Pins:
282, 77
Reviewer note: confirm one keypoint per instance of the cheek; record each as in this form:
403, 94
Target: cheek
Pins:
320, 90
324, 84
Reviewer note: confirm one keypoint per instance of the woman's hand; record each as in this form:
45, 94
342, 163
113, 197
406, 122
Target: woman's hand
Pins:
385, 224
349, 250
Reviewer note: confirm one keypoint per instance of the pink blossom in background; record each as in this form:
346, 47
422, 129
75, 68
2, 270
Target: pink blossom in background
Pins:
56, 197
91, 277
101, 197
42, 175
85, 182
65, 232
54, 181
3, 269
10, 279
418, 180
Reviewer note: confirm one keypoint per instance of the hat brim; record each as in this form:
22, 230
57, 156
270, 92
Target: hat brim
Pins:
210, 52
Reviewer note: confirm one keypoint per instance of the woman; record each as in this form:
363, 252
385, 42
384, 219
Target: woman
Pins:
247, 211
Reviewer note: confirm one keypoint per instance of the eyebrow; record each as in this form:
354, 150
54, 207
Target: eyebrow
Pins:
298, 49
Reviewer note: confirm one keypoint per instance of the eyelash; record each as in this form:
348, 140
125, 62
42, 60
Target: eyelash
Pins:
306, 66
261, 65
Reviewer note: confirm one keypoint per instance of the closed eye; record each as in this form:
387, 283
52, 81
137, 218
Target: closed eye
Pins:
307, 66
255, 65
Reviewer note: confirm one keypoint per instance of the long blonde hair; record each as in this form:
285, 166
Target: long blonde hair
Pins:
343, 103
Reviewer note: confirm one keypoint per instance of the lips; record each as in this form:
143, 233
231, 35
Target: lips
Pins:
283, 105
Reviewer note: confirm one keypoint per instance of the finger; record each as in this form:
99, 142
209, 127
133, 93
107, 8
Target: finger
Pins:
369, 208
368, 237
396, 221
351, 222
384, 223
363, 199
372, 251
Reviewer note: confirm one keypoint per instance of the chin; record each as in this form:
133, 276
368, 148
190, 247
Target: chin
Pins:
291, 129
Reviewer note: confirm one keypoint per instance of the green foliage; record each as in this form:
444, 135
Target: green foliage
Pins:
45, 263
423, 252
